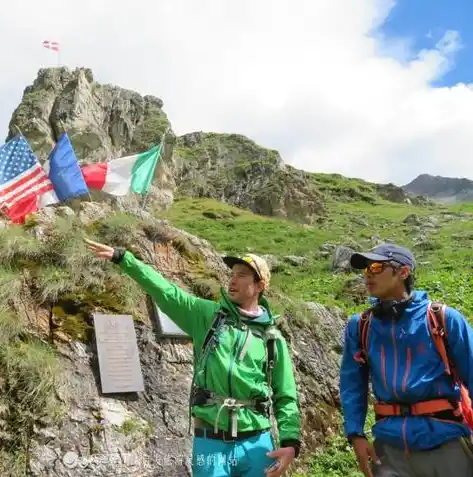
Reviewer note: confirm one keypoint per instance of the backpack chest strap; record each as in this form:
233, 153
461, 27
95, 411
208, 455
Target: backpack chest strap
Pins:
202, 397
422, 408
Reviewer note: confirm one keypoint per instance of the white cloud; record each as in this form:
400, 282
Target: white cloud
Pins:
312, 78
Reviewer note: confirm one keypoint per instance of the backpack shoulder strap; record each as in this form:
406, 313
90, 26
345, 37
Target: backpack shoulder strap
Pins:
364, 322
220, 316
438, 331
271, 335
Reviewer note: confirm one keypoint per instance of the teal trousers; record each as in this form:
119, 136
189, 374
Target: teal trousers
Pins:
243, 458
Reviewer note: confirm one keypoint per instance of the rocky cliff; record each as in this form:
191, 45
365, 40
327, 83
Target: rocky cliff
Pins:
102, 121
234, 169
442, 189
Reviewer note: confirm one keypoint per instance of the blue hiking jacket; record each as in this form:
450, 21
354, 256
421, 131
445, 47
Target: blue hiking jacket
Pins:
405, 367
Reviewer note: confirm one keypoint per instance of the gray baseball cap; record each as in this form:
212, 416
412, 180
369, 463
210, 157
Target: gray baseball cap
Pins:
386, 252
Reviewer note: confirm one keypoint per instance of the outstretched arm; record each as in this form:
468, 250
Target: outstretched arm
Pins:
190, 313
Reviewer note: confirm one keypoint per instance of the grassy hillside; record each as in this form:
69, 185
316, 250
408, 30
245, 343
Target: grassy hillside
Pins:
443, 254
441, 237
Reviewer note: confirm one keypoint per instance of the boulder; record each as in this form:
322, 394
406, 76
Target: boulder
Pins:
341, 259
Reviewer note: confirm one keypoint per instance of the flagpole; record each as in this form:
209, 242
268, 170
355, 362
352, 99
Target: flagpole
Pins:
19, 130
143, 204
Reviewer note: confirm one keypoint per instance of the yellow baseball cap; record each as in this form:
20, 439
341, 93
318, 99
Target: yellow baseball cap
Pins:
258, 264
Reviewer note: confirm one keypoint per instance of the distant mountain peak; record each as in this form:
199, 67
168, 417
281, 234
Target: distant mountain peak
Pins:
442, 189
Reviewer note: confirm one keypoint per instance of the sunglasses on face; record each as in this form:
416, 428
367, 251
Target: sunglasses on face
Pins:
376, 268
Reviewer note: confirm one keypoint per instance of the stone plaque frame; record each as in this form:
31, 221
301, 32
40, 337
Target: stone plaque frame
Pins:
166, 327
118, 354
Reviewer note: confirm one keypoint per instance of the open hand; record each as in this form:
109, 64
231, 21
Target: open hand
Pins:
285, 456
365, 454
99, 249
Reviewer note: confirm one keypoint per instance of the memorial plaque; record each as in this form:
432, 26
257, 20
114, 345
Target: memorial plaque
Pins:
167, 327
119, 362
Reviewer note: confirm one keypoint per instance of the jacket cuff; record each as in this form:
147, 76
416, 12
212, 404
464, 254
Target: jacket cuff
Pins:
292, 443
352, 436
118, 254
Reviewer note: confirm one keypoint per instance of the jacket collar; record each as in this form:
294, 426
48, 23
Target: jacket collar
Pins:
232, 307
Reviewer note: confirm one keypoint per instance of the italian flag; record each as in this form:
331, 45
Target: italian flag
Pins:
123, 175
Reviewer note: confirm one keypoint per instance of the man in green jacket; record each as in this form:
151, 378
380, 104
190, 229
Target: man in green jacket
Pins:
243, 372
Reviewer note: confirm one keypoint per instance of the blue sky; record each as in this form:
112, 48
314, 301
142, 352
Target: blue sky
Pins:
425, 22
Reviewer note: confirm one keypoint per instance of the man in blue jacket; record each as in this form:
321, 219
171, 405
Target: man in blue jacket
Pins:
422, 434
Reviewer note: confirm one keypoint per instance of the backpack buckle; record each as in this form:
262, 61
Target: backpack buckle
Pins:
201, 397
231, 403
405, 410
263, 406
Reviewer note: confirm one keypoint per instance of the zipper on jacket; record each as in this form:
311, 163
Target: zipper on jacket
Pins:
383, 367
407, 371
232, 360
404, 383
211, 348
404, 436
393, 336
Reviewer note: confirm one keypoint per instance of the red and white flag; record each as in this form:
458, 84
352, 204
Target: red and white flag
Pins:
51, 45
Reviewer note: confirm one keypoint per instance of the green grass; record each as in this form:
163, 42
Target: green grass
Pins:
29, 373
138, 430
233, 230
336, 459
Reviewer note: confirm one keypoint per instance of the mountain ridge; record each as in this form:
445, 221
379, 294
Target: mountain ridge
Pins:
442, 189
105, 121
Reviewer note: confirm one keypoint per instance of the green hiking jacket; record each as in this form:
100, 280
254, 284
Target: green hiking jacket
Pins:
227, 370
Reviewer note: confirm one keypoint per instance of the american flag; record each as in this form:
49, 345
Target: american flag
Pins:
21, 174
52, 45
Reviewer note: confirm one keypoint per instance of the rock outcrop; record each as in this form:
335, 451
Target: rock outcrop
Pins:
234, 169
103, 122
106, 122
393, 193
341, 259
67, 427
